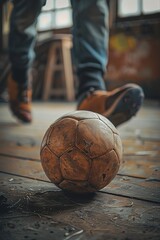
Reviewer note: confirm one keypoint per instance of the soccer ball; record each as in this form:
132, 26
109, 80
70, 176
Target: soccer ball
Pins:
81, 152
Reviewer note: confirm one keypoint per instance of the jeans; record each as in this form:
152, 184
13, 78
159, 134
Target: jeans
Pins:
90, 40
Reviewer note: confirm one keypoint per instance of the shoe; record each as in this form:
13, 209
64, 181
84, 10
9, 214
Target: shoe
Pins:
20, 100
118, 105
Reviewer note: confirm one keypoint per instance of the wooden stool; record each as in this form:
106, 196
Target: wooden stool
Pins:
59, 60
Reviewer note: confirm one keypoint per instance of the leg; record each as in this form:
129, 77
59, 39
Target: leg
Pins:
22, 36
90, 35
90, 39
21, 43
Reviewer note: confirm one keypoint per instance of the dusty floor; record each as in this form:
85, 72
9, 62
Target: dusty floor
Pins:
33, 208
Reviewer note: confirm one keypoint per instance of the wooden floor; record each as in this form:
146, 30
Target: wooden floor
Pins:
33, 208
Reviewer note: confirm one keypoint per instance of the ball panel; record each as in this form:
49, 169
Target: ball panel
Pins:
51, 166
118, 146
77, 186
62, 136
94, 137
46, 135
81, 115
103, 170
75, 165
108, 123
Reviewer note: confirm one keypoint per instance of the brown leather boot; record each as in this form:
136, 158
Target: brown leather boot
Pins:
20, 100
118, 105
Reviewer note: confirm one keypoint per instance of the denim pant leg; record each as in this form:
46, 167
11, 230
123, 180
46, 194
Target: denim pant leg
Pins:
90, 39
22, 37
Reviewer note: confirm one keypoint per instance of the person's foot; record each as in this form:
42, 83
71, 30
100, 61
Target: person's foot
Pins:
118, 105
20, 100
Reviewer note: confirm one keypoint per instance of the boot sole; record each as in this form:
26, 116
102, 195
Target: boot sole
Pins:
125, 106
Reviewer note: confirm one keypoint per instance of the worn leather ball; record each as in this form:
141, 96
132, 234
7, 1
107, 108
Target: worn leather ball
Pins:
81, 152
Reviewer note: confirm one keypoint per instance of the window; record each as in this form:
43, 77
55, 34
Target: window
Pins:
55, 14
127, 8
138, 8
151, 6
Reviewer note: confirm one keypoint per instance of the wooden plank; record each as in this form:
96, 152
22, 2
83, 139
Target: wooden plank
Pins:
31, 207
138, 166
27, 168
141, 147
147, 189
131, 187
